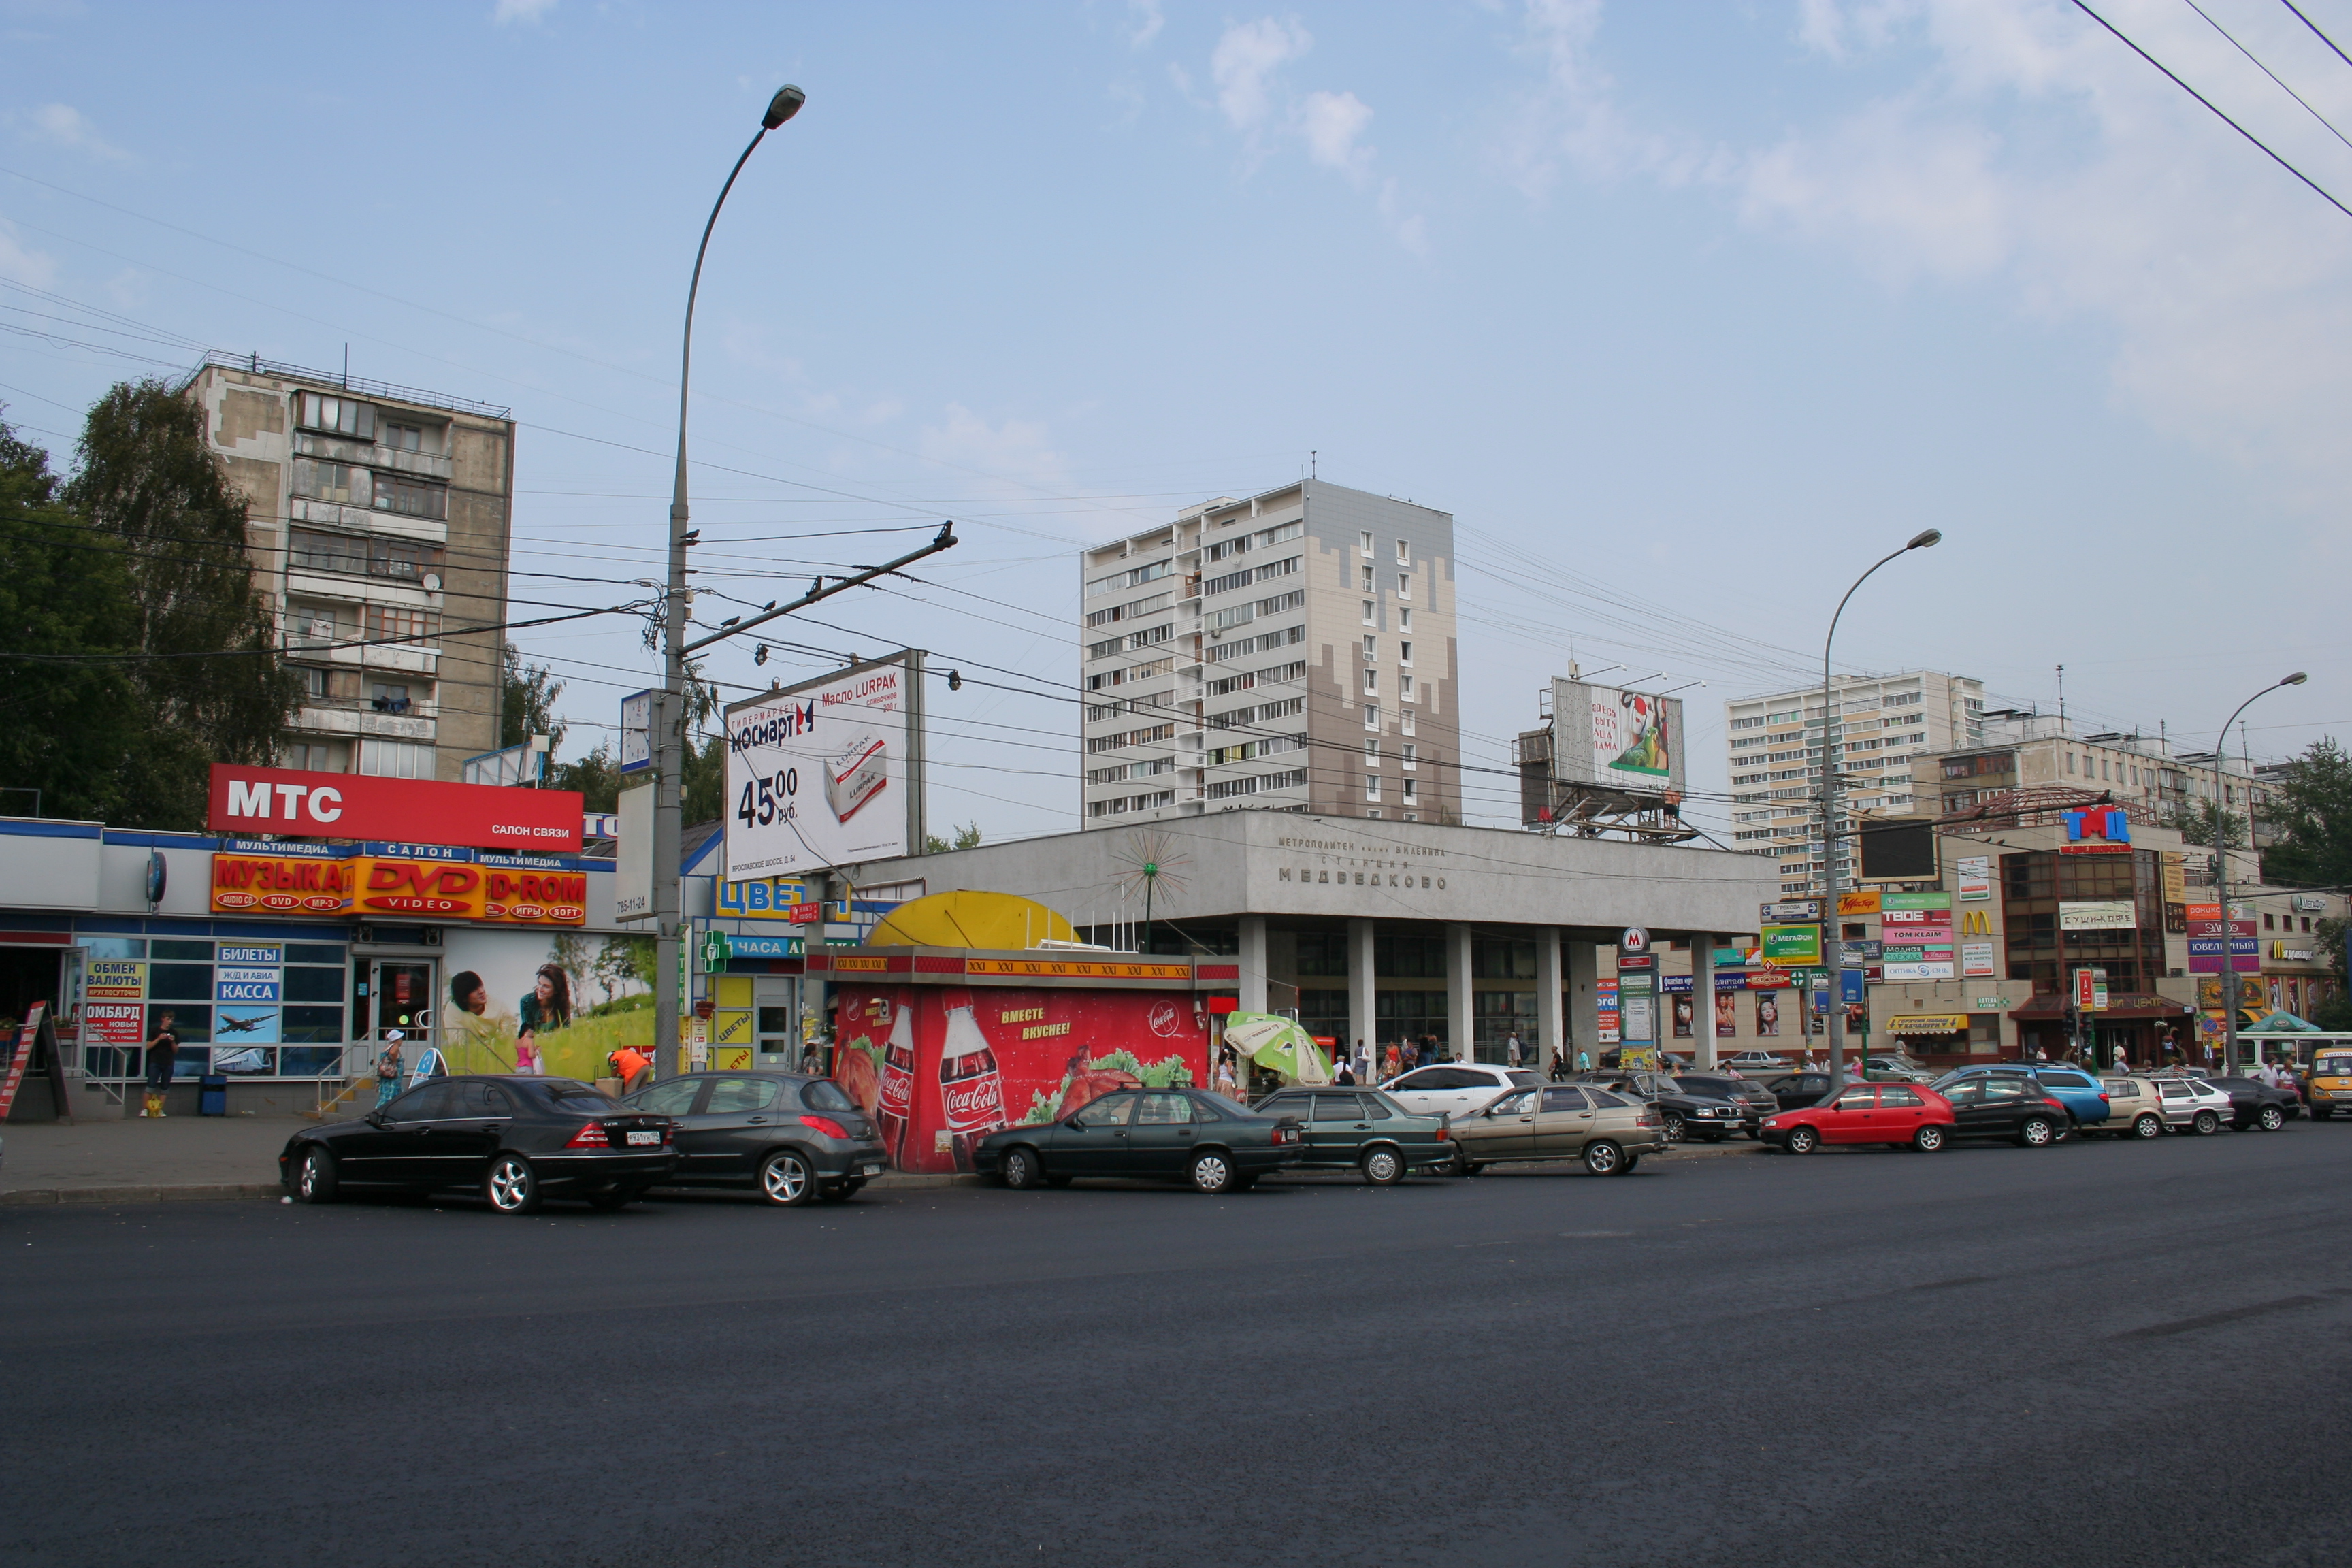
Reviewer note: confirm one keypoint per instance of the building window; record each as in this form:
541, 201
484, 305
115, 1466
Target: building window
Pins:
411, 498
1371, 786
1372, 751
1373, 812
310, 624
395, 760
1371, 715
339, 482
387, 698
1404, 553
1368, 579
1404, 653
1412, 787
317, 757
1404, 687
420, 438
398, 622
1410, 751
1371, 612
343, 415
1371, 681
2070, 761
1404, 724
1364, 542
1371, 648
1404, 585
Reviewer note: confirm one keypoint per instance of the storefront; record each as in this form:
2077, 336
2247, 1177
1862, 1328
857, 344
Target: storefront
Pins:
284, 966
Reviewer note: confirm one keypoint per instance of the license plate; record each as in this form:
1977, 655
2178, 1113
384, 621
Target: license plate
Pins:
637, 1139
869, 1170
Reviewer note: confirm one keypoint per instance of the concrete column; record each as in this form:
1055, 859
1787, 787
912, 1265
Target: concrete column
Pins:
1253, 963
1549, 980
1457, 988
1703, 1000
1363, 1010
1584, 1029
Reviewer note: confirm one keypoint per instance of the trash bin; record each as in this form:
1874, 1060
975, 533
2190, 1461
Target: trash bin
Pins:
212, 1095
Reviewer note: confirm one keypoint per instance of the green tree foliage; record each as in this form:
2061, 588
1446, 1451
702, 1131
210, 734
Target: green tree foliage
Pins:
2196, 820
597, 777
2311, 812
527, 694
209, 674
72, 726
967, 837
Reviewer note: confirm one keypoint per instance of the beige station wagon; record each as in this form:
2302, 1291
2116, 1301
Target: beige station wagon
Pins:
2145, 1107
1559, 1121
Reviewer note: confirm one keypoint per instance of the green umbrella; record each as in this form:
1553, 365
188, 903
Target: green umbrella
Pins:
1278, 1044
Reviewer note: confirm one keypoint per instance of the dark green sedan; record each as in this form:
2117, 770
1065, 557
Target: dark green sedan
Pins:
1364, 1130
1188, 1135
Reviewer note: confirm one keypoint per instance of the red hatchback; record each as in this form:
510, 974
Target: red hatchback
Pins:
1899, 1115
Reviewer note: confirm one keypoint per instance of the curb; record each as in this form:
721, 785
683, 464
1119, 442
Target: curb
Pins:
217, 1192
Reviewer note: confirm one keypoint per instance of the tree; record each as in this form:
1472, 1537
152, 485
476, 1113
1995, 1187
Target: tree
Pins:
967, 837
72, 727
2335, 1011
625, 961
597, 777
2311, 812
208, 672
2195, 822
527, 694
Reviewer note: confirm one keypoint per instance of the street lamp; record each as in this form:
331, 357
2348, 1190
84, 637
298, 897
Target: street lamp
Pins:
2222, 874
670, 721
1833, 1007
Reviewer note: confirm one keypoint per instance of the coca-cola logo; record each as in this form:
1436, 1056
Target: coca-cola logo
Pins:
898, 1085
1163, 1018
975, 1103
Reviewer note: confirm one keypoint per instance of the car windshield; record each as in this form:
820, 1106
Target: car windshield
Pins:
1524, 1081
2332, 1064
577, 1098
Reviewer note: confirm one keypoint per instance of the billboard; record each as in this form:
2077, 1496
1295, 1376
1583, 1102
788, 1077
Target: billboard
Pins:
302, 804
1898, 852
827, 772
940, 1068
488, 892
1603, 735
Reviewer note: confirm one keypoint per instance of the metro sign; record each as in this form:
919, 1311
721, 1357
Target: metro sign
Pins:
297, 804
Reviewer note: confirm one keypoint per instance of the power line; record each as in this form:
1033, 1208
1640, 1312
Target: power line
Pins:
2084, 7
2267, 71
2323, 39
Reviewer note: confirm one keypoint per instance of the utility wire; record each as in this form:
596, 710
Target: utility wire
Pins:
2268, 72
2083, 5
2323, 39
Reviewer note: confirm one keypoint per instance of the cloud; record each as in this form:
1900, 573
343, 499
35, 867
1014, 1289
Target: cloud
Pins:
66, 126
1410, 230
509, 11
1571, 117
1245, 59
1839, 30
1331, 121
20, 265
1144, 22
1017, 450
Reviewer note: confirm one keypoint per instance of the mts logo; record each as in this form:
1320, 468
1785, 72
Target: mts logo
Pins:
294, 802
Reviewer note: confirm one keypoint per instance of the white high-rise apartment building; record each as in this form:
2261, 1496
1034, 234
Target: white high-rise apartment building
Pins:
1883, 723
1291, 652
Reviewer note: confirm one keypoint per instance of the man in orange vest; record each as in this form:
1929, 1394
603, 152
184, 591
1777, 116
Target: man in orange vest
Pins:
629, 1065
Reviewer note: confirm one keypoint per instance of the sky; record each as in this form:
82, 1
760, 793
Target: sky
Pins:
1686, 311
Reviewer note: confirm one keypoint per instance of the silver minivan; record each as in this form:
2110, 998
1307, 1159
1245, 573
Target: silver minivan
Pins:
1455, 1089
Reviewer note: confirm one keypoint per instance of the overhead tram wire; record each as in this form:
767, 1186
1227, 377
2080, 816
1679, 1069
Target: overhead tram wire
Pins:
2323, 37
2083, 5
2266, 70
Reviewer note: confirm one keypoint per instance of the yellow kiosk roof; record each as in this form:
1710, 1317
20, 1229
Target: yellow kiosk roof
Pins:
965, 919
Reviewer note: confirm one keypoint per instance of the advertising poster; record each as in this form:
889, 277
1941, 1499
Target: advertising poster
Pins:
1767, 1015
1629, 732
112, 1010
2098, 915
1976, 960
1604, 1002
1859, 903
940, 1068
1786, 945
1686, 1014
1975, 873
818, 775
491, 892
1727, 1014
303, 805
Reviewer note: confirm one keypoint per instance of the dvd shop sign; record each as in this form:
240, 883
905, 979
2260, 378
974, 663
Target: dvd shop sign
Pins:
246, 882
378, 885
301, 804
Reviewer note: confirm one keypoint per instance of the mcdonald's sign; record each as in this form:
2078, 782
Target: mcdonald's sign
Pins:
1976, 922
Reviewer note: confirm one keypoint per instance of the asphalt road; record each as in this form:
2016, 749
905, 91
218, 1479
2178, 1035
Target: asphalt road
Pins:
2112, 1353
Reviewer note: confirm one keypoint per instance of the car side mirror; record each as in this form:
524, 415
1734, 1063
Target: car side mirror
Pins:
375, 1119
1075, 1125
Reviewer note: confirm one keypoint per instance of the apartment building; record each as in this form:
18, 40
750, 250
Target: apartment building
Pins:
1295, 651
2018, 750
378, 519
1881, 723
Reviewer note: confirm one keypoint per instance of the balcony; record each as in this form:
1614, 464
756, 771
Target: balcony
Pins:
342, 450
350, 718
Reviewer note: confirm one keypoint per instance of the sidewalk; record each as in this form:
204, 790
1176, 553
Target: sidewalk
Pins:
180, 1157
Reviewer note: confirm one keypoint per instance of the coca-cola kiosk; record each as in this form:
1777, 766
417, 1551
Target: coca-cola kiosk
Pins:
944, 1045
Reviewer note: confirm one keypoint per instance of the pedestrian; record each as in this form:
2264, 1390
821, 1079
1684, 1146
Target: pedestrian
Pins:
629, 1065
163, 1052
1584, 1061
1511, 1048
1346, 1078
387, 1070
1389, 1060
1730, 1069
1225, 1085
809, 1060
1559, 1066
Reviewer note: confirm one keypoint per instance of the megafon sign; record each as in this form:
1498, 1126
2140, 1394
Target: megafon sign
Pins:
297, 805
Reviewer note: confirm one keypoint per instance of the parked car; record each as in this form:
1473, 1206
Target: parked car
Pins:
2005, 1105
1750, 1095
2190, 1103
1899, 1115
2135, 1108
1798, 1089
1364, 1130
1755, 1061
1453, 1088
1160, 1135
513, 1139
1609, 1132
790, 1138
2254, 1103
2329, 1082
1709, 1118
2072, 1087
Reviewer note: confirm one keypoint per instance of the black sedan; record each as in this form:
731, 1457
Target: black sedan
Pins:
514, 1139
1797, 1091
1162, 1135
1710, 1118
1746, 1092
2254, 1103
790, 1138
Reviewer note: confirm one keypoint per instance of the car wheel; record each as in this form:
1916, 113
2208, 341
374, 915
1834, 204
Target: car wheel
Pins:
511, 1185
1633, 1162
1929, 1138
2207, 1124
2271, 1119
2037, 1133
613, 1198
1603, 1158
1384, 1167
314, 1177
1673, 1127
2149, 1126
1804, 1139
785, 1179
1212, 1173
1020, 1168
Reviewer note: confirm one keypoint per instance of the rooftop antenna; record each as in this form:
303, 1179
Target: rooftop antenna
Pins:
2062, 697
347, 367
1313, 465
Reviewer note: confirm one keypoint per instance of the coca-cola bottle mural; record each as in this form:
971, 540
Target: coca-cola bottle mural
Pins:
971, 1090
898, 1098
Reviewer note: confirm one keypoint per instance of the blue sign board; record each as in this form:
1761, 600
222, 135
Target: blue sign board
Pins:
763, 946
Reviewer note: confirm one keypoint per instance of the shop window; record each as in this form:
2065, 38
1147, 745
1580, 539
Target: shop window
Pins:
1322, 953
1499, 959
180, 981
1408, 957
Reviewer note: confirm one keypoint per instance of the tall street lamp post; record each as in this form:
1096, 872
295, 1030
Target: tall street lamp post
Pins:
669, 720
1833, 931
2221, 872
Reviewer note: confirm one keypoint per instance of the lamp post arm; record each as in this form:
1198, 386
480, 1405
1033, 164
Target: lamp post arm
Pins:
1834, 1009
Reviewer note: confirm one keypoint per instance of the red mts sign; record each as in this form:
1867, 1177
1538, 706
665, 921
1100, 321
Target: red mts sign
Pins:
940, 1067
358, 806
